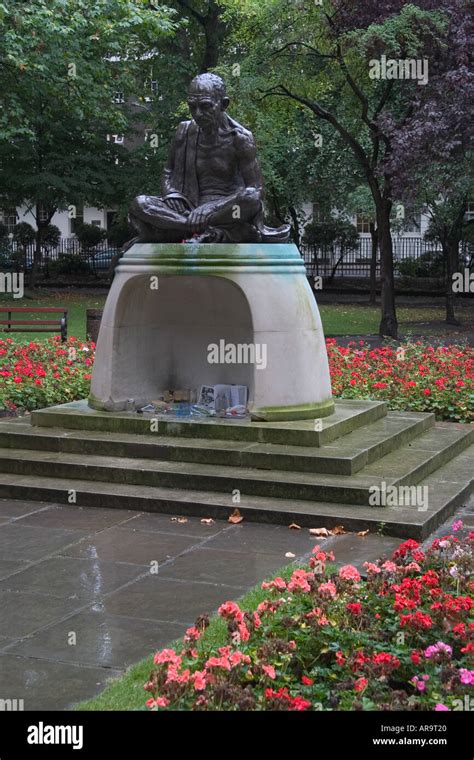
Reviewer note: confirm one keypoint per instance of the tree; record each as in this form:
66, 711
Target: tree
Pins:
323, 58
61, 64
208, 16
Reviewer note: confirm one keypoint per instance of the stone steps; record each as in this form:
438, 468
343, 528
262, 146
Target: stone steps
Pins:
448, 488
347, 457
282, 472
405, 467
349, 415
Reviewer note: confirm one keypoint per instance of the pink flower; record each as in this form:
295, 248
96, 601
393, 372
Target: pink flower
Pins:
466, 676
269, 670
218, 662
199, 678
438, 649
390, 567
231, 610
167, 655
349, 573
237, 657
440, 707
371, 568
413, 566
457, 525
192, 634
328, 589
158, 702
277, 583
299, 581
420, 683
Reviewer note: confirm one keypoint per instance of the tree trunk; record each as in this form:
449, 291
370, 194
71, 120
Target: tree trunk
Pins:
295, 225
373, 264
451, 252
214, 34
388, 324
37, 252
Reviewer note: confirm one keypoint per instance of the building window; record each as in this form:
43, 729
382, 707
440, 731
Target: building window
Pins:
317, 213
96, 222
9, 218
119, 97
77, 220
43, 213
363, 223
470, 211
412, 223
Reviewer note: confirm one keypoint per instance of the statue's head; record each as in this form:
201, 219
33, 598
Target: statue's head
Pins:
207, 99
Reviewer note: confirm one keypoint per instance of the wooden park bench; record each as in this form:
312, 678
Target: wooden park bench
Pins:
13, 324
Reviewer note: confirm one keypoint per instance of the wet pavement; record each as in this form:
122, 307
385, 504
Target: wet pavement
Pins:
86, 592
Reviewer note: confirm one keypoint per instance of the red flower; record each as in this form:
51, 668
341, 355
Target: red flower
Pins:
307, 681
354, 607
361, 684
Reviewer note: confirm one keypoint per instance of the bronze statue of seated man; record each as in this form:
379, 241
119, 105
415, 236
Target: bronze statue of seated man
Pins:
212, 186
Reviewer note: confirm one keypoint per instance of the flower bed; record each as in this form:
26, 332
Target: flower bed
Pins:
35, 375
401, 639
414, 376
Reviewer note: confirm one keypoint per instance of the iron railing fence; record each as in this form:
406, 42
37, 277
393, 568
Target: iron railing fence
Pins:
97, 258
331, 260
324, 261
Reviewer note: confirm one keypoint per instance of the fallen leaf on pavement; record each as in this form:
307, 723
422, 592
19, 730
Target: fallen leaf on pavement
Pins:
338, 530
362, 533
290, 555
321, 532
294, 526
179, 519
207, 521
235, 517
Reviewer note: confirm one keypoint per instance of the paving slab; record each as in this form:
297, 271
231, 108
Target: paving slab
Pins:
46, 685
351, 549
220, 566
88, 519
19, 507
252, 538
24, 542
155, 598
132, 546
193, 526
25, 612
99, 639
10, 566
83, 581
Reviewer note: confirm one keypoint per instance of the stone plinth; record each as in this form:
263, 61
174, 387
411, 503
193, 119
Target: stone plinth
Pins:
170, 302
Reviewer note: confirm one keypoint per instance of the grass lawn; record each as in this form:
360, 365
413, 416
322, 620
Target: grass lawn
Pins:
127, 692
338, 318
359, 319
